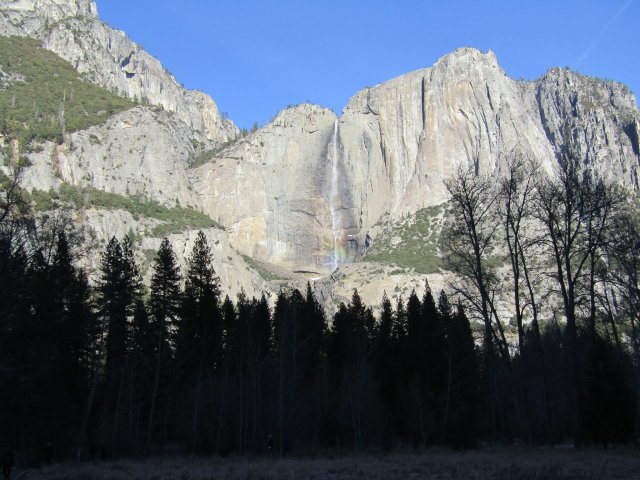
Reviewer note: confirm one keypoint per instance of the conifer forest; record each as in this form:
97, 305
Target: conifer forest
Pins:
535, 340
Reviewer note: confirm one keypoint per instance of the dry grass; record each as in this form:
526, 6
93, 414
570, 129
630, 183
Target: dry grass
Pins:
511, 464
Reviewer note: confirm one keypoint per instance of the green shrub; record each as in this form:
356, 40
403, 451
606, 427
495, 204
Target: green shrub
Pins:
416, 241
208, 155
265, 273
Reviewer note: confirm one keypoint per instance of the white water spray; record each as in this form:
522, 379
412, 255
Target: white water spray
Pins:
333, 194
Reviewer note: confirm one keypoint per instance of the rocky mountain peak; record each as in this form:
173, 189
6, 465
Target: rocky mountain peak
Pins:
54, 10
468, 54
467, 65
304, 115
604, 91
72, 29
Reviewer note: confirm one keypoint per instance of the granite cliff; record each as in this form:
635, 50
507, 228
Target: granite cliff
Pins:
388, 153
73, 30
310, 191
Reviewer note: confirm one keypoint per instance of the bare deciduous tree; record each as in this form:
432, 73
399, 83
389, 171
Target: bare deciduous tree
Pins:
470, 244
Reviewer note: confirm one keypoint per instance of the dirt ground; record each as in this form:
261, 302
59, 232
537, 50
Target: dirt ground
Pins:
487, 463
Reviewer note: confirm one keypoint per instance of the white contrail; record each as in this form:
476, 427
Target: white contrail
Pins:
595, 41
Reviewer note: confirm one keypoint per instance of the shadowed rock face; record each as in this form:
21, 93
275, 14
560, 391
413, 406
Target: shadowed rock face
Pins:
397, 142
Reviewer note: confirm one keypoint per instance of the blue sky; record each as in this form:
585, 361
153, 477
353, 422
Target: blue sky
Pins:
255, 57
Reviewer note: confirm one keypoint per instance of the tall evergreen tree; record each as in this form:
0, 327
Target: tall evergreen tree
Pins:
199, 338
386, 365
461, 396
165, 301
252, 366
224, 437
118, 289
299, 326
352, 369
143, 363
314, 328
415, 387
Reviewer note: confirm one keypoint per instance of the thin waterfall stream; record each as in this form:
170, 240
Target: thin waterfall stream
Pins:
333, 195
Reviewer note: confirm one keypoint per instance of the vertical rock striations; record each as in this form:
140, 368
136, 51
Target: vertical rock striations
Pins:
598, 118
273, 190
305, 191
395, 144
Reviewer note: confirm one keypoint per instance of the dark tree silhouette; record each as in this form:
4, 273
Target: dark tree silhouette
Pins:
164, 301
118, 289
462, 392
199, 340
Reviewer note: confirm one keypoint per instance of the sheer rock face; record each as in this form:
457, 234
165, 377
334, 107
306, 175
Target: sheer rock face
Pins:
418, 129
307, 191
272, 189
404, 137
72, 29
598, 118
396, 144
136, 152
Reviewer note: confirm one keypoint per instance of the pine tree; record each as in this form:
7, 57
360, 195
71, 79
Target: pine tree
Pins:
314, 328
299, 327
352, 369
386, 364
118, 289
142, 367
227, 408
415, 387
399, 329
250, 349
62, 277
229, 330
415, 334
165, 294
57, 307
463, 381
286, 319
262, 371
165, 300
199, 338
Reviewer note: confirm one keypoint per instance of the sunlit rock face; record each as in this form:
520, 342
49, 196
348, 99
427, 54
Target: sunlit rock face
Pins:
136, 152
72, 29
309, 190
598, 118
283, 193
288, 202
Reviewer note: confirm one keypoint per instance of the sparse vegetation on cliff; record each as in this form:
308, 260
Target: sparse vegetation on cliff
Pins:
412, 242
43, 96
175, 219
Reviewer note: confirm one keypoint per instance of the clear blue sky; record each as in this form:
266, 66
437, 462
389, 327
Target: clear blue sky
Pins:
255, 57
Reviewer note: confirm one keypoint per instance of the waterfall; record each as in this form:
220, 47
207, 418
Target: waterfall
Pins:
333, 195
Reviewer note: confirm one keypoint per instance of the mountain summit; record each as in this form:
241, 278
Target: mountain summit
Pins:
72, 29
